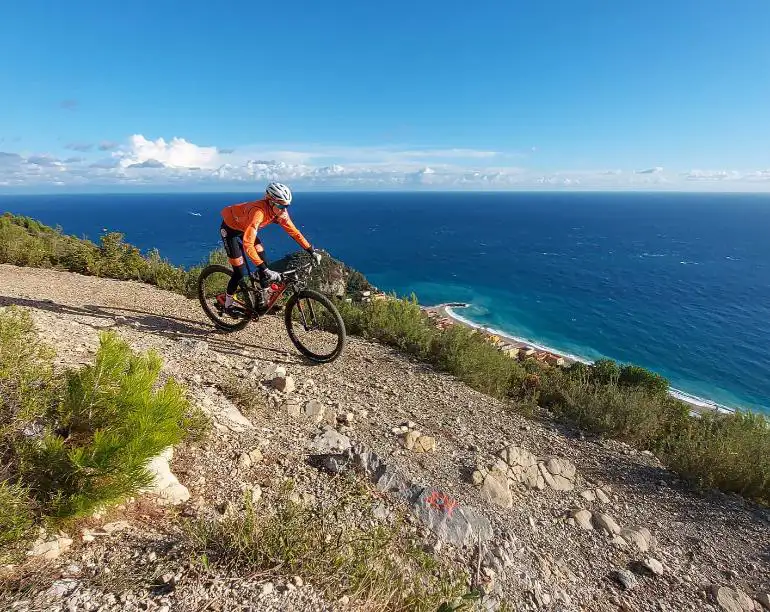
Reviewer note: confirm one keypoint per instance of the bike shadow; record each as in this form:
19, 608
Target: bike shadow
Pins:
166, 326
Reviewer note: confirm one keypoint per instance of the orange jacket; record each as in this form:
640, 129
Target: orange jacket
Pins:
248, 217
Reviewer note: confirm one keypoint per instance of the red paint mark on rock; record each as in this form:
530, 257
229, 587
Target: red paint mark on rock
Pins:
441, 502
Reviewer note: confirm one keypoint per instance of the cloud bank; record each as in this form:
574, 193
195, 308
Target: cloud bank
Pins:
141, 162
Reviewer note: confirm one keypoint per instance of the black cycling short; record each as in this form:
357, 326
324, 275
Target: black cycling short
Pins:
232, 238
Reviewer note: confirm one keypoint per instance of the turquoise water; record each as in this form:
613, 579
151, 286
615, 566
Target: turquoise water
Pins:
679, 283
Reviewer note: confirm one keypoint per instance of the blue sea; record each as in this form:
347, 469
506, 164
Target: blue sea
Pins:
679, 283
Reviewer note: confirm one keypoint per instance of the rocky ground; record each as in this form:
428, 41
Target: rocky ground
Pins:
542, 516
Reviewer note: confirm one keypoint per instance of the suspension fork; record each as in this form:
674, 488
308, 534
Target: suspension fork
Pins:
304, 319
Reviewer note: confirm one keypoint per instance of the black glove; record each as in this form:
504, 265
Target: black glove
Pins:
315, 255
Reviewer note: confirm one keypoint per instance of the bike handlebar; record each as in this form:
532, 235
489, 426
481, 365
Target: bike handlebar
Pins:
295, 272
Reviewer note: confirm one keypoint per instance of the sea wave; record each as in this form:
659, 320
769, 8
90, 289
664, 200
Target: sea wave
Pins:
677, 393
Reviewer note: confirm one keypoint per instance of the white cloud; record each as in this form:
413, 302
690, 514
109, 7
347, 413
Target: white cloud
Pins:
177, 153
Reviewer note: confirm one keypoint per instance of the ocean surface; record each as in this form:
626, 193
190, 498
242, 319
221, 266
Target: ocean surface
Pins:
679, 283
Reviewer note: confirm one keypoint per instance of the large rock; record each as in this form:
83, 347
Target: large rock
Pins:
764, 600
61, 588
637, 537
495, 489
105, 530
292, 408
314, 410
425, 444
386, 478
522, 466
330, 441
583, 519
654, 566
500, 553
410, 439
165, 485
51, 548
224, 413
283, 383
732, 600
625, 578
559, 474
451, 522
606, 522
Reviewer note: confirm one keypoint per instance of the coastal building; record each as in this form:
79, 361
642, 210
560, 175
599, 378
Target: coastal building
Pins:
526, 352
554, 360
510, 350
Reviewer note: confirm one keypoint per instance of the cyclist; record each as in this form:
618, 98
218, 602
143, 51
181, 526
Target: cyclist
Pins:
240, 224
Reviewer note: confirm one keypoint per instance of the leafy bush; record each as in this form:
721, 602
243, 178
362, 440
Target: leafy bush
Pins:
27, 385
605, 371
633, 414
466, 354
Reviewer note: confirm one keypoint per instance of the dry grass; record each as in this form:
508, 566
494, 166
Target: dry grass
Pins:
379, 567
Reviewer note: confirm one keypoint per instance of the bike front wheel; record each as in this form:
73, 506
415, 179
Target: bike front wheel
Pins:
315, 326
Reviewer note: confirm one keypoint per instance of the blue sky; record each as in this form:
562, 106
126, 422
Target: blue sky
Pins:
483, 95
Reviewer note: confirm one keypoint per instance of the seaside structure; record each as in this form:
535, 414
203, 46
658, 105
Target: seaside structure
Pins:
510, 350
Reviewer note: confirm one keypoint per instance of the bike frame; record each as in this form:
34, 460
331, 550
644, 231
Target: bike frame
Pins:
280, 287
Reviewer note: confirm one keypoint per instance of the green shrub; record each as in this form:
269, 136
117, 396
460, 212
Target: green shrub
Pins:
26, 378
25, 242
635, 376
605, 371
110, 422
399, 323
633, 414
16, 521
727, 451
466, 354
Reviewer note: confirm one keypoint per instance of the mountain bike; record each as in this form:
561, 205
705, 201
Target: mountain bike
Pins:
312, 321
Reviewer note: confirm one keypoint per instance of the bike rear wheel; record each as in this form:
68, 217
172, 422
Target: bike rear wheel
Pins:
212, 284
315, 326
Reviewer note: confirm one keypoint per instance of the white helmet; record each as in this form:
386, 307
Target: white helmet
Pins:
278, 194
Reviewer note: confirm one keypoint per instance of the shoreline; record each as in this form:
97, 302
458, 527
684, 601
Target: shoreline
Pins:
447, 311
